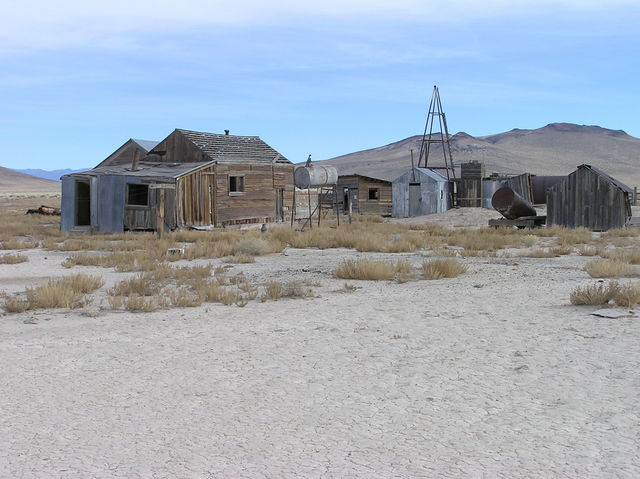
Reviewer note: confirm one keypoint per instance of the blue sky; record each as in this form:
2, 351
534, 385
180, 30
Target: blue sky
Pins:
322, 78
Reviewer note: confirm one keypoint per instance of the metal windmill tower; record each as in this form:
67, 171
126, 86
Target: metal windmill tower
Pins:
441, 136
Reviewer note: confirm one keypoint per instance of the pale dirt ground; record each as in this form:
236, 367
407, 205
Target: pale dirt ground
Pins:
491, 374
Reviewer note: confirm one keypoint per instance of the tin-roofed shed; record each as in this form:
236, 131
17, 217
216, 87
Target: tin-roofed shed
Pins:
190, 178
420, 191
364, 194
589, 198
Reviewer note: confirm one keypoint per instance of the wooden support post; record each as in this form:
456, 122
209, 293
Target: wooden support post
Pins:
160, 215
635, 196
350, 204
310, 213
293, 206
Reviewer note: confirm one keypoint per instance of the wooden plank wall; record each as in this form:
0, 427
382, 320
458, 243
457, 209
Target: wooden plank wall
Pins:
198, 206
382, 206
586, 199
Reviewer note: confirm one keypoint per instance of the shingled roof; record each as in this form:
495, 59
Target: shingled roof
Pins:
234, 149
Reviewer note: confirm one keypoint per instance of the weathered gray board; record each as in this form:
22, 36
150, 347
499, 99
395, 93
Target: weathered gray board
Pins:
106, 192
591, 199
430, 193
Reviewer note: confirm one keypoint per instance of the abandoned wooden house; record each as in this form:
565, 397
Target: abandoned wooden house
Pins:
420, 191
589, 198
190, 179
364, 195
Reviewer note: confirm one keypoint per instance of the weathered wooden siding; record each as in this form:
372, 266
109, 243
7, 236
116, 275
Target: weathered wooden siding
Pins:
196, 194
586, 199
470, 184
178, 149
382, 206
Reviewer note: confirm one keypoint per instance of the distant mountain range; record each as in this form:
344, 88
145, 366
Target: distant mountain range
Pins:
50, 174
14, 182
556, 149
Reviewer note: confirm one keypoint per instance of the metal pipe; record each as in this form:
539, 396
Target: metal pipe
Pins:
510, 204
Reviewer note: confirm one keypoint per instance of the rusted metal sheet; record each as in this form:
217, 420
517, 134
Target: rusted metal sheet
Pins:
510, 204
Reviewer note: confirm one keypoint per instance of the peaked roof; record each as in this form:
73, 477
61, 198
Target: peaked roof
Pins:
148, 145
233, 149
611, 179
425, 171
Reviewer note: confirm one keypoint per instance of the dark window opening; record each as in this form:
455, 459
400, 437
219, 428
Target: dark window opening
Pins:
83, 203
374, 194
236, 184
137, 195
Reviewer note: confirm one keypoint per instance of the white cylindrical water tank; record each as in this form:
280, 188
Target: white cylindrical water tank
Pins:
313, 176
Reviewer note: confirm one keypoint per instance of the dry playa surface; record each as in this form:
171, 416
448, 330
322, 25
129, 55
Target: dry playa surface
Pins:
490, 374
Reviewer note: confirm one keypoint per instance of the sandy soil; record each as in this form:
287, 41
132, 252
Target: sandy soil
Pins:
491, 374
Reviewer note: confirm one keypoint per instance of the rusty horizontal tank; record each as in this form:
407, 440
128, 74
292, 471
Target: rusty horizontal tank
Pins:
315, 176
510, 204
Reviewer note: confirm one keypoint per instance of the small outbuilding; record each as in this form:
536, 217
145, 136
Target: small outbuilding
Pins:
190, 179
420, 191
364, 195
589, 198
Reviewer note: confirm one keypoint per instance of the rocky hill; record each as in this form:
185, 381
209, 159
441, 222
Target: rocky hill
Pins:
555, 149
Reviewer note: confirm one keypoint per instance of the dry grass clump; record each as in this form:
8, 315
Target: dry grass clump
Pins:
627, 295
212, 292
572, 236
626, 255
605, 268
14, 243
529, 240
138, 285
587, 251
443, 268
539, 253
594, 294
364, 269
256, 247
621, 233
483, 239
68, 292
13, 258
138, 304
183, 298
296, 288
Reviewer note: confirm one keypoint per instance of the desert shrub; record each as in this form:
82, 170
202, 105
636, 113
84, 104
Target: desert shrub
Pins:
627, 295
212, 292
529, 240
144, 304
14, 243
138, 285
83, 283
627, 255
13, 258
572, 236
183, 298
442, 268
274, 290
482, 239
13, 304
255, 247
604, 268
587, 251
364, 269
84, 259
54, 294
562, 250
594, 294
621, 233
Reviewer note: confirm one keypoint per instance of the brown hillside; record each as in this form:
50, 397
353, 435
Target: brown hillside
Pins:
15, 183
555, 149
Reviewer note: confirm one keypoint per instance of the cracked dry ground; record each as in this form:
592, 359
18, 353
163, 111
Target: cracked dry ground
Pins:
491, 374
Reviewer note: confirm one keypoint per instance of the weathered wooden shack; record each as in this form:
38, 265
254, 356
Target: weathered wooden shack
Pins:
188, 179
420, 191
364, 194
589, 198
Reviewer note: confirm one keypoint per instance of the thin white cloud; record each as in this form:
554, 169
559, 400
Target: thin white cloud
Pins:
43, 24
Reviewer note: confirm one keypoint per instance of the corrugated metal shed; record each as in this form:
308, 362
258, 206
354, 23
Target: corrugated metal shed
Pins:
420, 191
589, 198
